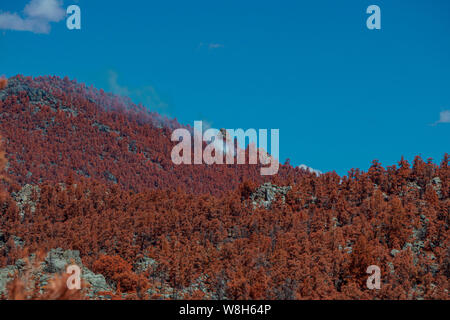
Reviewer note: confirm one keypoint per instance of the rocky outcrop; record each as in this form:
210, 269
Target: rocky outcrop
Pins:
6, 275
267, 193
24, 198
54, 263
18, 242
436, 183
57, 260
101, 127
143, 264
36, 95
110, 177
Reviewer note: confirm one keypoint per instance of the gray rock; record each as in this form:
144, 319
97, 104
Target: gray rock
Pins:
416, 247
97, 282
434, 269
36, 96
436, 183
24, 198
57, 260
20, 264
394, 252
54, 263
108, 175
18, 242
6, 275
102, 127
143, 264
69, 110
391, 267
267, 193
413, 185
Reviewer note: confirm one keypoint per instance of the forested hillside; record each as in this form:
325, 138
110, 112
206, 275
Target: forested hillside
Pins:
55, 128
90, 173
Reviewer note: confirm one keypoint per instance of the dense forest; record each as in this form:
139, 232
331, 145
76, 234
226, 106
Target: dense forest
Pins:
90, 173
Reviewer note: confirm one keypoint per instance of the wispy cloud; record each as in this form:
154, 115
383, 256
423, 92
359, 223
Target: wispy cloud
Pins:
211, 46
114, 85
37, 16
215, 45
146, 95
444, 117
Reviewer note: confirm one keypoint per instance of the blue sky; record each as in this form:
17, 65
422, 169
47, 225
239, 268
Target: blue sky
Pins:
341, 95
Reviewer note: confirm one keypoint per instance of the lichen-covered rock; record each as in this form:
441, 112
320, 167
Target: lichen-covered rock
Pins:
18, 242
24, 198
16, 86
394, 252
110, 177
416, 247
143, 264
97, 282
54, 263
57, 261
267, 193
101, 127
6, 275
436, 183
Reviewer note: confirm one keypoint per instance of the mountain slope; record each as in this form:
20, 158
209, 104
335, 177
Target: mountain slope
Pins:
91, 172
55, 128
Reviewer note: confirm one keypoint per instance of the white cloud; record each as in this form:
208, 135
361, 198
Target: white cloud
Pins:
49, 10
115, 87
444, 117
37, 17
